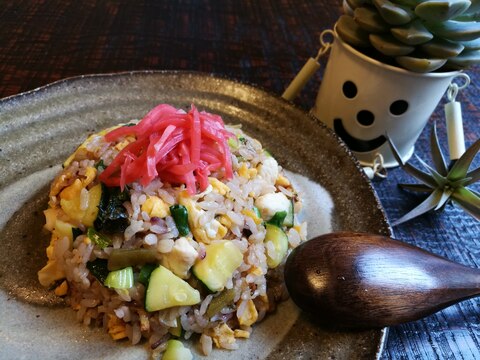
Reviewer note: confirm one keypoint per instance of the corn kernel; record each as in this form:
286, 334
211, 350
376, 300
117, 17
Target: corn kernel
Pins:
252, 173
243, 171
251, 214
218, 186
61, 290
225, 220
282, 181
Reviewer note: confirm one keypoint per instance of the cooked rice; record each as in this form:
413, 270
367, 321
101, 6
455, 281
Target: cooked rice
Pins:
121, 312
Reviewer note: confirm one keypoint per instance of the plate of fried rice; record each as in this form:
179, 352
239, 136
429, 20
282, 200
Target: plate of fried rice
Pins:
149, 215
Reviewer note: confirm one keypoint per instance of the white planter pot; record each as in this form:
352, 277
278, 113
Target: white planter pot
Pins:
363, 99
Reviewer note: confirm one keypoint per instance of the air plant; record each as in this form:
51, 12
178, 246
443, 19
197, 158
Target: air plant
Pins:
418, 35
443, 184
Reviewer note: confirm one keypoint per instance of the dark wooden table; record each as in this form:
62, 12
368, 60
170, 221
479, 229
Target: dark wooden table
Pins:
264, 43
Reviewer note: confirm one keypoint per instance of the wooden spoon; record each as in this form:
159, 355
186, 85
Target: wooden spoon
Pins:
357, 280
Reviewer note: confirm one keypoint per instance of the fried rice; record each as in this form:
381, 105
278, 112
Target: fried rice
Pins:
220, 230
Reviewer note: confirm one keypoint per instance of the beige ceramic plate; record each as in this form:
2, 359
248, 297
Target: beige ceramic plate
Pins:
39, 129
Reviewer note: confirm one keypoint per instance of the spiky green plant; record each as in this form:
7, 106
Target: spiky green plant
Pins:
418, 35
443, 185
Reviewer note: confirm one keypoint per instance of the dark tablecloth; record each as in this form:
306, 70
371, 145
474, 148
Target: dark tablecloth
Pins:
263, 43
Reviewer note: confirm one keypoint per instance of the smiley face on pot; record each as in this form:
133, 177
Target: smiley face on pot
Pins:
362, 125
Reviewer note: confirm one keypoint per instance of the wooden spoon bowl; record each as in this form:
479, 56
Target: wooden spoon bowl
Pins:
357, 280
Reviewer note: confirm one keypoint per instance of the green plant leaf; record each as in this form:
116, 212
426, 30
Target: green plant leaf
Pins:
441, 10
455, 30
437, 154
439, 179
392, 13
474, 176
468, 200
465, 59
428, 204
460, 169
413, 33
351, 32
442, 49
388, 45
420, 65
419, 174
416, 187
443, 200
370, 20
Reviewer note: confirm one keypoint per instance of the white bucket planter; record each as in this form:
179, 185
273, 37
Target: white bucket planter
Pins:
363, 99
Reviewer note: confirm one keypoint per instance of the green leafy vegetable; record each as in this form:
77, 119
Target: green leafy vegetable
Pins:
98, 239
278, 219
112, 216
145, 273
99, 269
76, 232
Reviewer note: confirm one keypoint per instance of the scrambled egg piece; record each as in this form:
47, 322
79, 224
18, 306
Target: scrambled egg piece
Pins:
268, 170
71, 199
251, 214
181, 258
116, 327
156, 207
249, 316
271, 203
218, 186
213, 230
222, 334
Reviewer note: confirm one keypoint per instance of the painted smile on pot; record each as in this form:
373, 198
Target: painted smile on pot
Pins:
355, 144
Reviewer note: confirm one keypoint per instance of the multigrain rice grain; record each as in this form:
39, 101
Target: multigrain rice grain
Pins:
222, 212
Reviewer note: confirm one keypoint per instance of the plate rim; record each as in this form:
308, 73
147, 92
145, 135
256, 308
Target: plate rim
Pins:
133, 73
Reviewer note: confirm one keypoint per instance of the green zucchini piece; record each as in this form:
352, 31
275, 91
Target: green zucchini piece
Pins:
278, 219
176, 351
166, 290
288, 222
221, 260
120, 258
120, 279
279, 239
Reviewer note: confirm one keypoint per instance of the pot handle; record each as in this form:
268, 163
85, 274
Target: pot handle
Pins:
309, 69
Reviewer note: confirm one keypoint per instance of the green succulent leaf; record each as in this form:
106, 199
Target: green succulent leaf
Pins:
388, 45
351, 32
394, 14
437, 154
420, 65
414, 33
473, 176
472, 44
370, 20
357, 3
439, 179
442, 49
460, 169
465, 59
443, 200
441, 10
455, 30
468, 201
416, 187
428, 204
419, 174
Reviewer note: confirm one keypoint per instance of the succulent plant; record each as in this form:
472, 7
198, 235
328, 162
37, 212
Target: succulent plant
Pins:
418, 35
443, 184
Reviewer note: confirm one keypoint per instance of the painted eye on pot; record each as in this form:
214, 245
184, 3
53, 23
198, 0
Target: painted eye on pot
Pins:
349, 89
398, 107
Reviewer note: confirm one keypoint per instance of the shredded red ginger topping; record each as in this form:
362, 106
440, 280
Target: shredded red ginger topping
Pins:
174, 146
